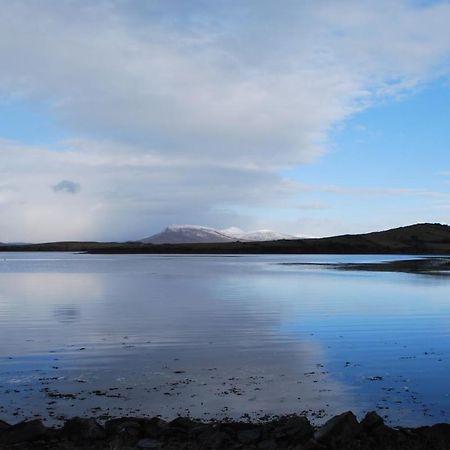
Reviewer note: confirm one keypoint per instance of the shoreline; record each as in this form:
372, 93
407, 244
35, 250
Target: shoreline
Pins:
430, 265
287, 432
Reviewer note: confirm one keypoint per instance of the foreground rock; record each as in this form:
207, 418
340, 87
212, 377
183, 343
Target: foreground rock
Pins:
290, 432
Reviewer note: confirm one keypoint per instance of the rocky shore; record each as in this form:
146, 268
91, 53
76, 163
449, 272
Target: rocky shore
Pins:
289, 432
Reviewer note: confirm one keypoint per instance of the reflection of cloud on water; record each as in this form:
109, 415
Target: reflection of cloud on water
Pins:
286, 379
38, 309
135, 324
27, 289
249, 321
66, 314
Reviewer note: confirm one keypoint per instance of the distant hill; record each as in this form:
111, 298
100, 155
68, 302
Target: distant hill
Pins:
187, 234
193, 234
419, 239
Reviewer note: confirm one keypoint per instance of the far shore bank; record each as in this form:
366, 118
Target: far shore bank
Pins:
418, 239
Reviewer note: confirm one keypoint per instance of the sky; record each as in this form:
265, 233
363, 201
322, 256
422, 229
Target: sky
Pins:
120, 117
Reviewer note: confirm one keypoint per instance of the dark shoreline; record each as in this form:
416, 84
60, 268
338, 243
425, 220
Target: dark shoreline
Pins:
425, 266
288, 432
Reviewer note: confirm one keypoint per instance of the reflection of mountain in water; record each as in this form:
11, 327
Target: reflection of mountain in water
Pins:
66, 313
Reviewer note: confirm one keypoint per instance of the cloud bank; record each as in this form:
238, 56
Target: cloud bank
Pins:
188, 111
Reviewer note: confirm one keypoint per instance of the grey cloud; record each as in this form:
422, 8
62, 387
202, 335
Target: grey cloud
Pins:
67, 186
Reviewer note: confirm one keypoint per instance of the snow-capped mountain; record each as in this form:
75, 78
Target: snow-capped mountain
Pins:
258, 235
187, 234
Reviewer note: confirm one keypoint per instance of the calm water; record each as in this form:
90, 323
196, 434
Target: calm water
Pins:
220, 336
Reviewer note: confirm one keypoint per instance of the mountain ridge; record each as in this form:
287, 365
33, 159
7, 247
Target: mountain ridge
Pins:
417, 239
190, 234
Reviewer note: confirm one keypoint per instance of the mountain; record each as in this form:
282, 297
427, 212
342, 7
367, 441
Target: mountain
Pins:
191, 234
258, 235
187, 234
418, 239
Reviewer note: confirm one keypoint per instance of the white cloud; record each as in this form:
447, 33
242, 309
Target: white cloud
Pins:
183, 112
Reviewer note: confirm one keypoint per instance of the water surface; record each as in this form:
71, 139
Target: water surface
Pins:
215, 336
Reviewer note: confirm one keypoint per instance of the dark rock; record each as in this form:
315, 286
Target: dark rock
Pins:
183, 422
343, 432
181, 429
23, 432
312, 444
386, 437
4, 426
435, 437
371, 420
249, 436
339, 429
198, 430
212, 439
126, 425
174, 434
233, 428
154, 427
268, 444
148, 443
79, 429
295, 428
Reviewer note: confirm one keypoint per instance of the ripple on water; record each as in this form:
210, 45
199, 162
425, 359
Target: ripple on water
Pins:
216, 336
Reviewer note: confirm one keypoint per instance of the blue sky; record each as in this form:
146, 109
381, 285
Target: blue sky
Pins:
30, 123
401, 144
310, 118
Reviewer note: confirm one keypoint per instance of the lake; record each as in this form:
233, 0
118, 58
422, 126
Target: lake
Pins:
220, 336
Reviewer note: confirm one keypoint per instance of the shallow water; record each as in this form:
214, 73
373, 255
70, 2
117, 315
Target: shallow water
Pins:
215, 336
